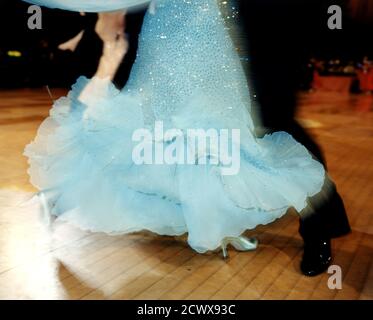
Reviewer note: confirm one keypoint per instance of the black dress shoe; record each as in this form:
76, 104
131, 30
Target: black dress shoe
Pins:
317, 257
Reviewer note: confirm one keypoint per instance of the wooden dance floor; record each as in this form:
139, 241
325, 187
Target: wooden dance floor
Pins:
61, 262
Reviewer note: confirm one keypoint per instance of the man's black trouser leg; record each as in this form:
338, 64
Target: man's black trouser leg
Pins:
329, 218
278, 42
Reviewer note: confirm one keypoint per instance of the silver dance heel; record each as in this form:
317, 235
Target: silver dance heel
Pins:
241, 243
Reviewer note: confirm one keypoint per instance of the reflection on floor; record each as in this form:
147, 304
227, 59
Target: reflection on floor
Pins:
38, 262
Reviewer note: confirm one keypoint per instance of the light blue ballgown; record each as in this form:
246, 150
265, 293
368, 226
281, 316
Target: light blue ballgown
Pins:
188, 75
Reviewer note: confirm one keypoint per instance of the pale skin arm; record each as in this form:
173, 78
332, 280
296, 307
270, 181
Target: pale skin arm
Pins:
110, 28
72, 43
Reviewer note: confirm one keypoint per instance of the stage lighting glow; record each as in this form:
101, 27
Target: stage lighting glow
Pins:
14, 54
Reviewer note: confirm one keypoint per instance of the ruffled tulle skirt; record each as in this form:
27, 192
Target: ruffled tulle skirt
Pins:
82, 161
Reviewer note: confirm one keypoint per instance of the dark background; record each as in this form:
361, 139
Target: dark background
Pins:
41, 63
